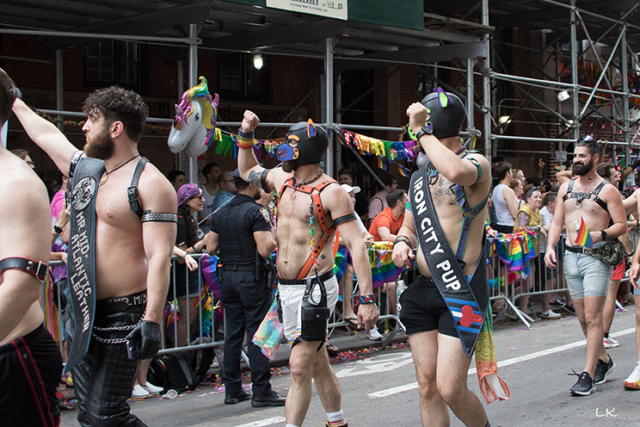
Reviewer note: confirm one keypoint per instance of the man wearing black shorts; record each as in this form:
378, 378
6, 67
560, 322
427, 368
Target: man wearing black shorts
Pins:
441, 359
30, 362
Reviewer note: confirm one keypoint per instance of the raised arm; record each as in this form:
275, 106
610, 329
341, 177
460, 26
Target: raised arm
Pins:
458, 171
45, 135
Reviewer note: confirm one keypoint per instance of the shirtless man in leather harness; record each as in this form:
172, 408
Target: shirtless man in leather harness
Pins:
30, 360
132, 252
311, 206
441, 361
594, 200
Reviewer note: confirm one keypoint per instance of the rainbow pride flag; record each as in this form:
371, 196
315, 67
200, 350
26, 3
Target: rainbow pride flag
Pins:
340, 263
382, 164
584, 237
383, 270
209, 266
491, 385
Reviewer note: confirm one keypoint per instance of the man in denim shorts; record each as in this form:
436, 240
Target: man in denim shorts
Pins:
591, 199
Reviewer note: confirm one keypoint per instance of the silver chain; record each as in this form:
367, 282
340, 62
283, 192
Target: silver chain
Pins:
113, 329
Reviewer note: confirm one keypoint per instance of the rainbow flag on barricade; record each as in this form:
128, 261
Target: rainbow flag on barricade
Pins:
383, 270
491, 385
209, 265
269, 334
172, 312
50, 309
340, 263
514, 250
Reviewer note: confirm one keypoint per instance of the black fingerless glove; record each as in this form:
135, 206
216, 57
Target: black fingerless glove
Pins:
144, 341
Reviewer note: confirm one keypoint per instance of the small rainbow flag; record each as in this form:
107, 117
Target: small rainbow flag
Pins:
382, 164
403, 172
584, 238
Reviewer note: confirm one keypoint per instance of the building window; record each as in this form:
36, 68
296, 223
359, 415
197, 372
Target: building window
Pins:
113, 62
238, 79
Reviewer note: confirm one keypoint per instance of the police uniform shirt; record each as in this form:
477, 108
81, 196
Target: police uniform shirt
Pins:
256, 218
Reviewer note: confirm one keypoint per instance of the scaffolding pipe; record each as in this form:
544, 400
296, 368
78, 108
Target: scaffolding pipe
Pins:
328, 71
59, 87
574, 73
470, 95
193, 81
51, 33
531, 138
573, 8
180, 157
625, 98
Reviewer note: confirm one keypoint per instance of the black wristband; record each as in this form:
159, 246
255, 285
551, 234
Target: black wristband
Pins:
245, 134
604, 235
57, 229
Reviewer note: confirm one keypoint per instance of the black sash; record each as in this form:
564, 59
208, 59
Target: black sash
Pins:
81, 257
467, 302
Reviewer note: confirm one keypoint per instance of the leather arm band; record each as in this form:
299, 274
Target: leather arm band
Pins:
148, 216
36, 269
344, 218
57, 230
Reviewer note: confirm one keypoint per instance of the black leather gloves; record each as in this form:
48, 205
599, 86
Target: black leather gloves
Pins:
144, 341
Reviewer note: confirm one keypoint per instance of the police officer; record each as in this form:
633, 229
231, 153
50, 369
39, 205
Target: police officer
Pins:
241, 230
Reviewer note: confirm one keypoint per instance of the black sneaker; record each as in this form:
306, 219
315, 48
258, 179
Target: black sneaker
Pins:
570, 308
603, 369
585, 385
274, 399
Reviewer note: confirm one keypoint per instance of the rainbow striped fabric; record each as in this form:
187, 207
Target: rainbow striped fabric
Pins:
491, 385
584, 237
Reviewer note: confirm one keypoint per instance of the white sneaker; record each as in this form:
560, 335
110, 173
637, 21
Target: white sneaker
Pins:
550, 314
610, 343
152, 389
633, 382
139, 391
374, 335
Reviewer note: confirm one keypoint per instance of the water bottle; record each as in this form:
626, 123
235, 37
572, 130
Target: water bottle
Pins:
401, 286
171, 394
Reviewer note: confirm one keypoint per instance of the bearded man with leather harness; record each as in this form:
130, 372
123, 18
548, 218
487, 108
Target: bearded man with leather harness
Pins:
311, 206
241, 230
444, 308
30, 362
591, 200
123, 228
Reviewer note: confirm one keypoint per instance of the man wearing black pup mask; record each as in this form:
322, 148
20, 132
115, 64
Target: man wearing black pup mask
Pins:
444, 308
123, 228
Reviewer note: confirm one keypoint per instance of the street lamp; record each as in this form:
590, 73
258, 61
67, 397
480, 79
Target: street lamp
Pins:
257, 60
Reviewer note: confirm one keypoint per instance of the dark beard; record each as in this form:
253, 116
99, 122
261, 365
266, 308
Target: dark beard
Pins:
290, 165
101, 147
582, 170
257, 195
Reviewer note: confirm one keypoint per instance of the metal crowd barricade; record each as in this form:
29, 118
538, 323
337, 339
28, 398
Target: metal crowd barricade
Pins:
201, 340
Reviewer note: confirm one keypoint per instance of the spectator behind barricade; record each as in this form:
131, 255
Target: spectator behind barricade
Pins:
529, 217
378, 202
518, 191
545, 187
386, 225
504, 199
346, 282
177, 179
190, 239
24, 155
227, 189
345, 176
551, 276
210, 188
519, 175
384, 228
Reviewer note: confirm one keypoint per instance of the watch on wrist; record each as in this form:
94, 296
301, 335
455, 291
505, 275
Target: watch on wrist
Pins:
603, 234
57, 229
427, 129
367, 299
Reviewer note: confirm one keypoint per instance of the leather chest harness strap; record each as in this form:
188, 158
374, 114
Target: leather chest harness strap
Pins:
317, 204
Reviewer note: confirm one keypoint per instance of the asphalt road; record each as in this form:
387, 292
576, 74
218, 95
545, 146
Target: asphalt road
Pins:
534, 363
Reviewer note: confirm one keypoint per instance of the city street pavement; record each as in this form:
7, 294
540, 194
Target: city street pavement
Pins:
381, 390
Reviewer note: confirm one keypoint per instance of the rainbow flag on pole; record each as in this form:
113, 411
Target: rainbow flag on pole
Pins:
584, 238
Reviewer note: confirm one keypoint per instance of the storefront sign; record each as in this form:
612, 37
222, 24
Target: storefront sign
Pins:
336, 9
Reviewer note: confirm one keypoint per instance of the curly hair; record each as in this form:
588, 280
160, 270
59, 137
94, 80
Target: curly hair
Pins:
117, 104
8, 94
192, 226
